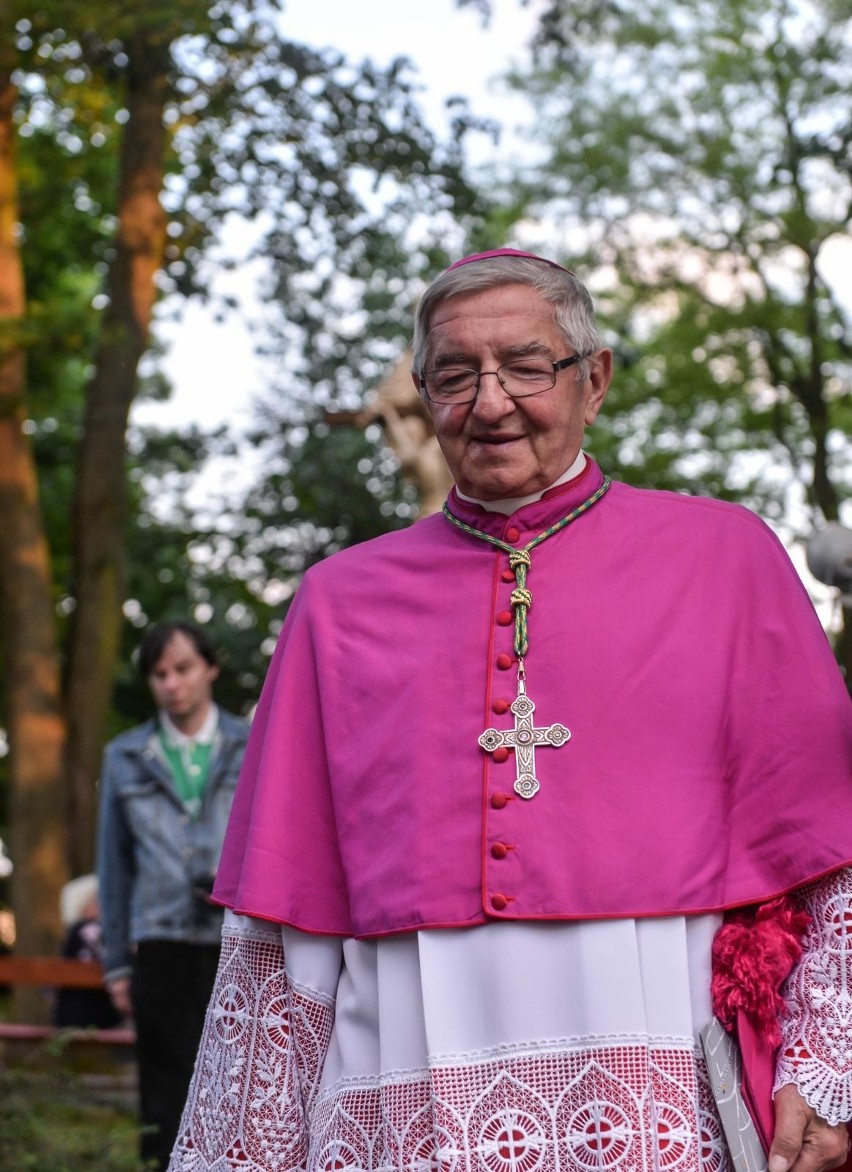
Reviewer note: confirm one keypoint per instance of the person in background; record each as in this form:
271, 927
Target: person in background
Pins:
534, 789
166, 789
81, 915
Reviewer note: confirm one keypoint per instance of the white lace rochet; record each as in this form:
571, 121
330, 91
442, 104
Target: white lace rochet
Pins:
816, 1048
504, 1048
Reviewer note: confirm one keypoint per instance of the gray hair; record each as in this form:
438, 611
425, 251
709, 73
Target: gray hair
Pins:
573, 309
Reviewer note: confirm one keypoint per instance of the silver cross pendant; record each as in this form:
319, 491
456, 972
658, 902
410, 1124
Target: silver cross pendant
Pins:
523, 738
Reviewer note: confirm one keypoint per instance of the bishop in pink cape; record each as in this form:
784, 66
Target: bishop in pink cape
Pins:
709, 762
705, 770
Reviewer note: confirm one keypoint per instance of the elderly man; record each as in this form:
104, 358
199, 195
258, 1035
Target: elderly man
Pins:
510, 770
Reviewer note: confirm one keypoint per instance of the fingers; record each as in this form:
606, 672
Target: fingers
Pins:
804, 1142
824, 1147
119, 992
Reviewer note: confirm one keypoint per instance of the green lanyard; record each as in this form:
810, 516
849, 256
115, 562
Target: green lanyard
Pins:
520, 561
190, 768
524, 737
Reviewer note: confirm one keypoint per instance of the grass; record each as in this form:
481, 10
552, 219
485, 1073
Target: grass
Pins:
52, 1120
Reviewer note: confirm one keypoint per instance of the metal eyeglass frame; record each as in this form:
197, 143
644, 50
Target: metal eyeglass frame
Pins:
562, 364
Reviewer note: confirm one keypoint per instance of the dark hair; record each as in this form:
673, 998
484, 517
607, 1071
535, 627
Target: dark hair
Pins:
157, 638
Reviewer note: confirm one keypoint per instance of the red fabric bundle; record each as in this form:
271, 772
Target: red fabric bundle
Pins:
753, 954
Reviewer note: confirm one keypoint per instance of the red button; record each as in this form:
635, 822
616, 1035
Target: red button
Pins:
499, 850
508, 575
498, 801
500, 706
504, 618
513, 534
504, 662
501, 753
499, 902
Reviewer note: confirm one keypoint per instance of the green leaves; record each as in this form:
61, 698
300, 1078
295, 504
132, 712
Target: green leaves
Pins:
701, 152
351, 197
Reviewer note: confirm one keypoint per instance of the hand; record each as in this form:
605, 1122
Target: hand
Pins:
119, 992
803, 1142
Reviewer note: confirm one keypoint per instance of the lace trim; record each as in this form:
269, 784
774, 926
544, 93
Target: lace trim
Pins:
595, 1109
500, 1056
816, 1045
599, 1105
260, 1057
250, 928
549, 1045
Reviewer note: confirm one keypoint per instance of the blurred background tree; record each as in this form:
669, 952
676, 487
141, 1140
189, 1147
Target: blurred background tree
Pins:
130, 134
694, 162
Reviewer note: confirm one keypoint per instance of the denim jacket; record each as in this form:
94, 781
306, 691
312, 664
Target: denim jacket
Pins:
155, 863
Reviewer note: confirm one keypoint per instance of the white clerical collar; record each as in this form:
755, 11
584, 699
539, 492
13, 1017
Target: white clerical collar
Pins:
176, 739
510, 504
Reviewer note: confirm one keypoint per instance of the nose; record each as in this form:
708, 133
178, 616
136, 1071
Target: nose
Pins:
492, 402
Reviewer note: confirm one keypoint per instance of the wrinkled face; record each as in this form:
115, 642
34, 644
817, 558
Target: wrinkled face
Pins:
497, 446
182, 682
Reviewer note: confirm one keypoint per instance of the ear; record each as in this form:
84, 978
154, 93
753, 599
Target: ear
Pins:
415, 378
600, 376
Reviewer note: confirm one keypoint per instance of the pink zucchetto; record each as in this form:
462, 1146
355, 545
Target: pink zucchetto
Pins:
494, 252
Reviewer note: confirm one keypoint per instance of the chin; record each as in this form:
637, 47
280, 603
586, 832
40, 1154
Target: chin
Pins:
501, 480
491, 492
496, 488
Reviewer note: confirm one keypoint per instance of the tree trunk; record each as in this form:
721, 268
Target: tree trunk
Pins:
100, 502
33, 703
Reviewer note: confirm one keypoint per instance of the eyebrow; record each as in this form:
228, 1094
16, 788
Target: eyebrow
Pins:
179, 665
505, 353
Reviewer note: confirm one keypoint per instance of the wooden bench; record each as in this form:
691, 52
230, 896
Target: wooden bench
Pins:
57, 972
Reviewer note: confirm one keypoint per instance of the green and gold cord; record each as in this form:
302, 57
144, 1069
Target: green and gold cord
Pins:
521, 562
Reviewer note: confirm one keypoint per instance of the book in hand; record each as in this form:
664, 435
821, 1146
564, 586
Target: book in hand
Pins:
724, 1068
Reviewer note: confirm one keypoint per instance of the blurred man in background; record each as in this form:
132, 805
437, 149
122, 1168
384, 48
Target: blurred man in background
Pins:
166, 792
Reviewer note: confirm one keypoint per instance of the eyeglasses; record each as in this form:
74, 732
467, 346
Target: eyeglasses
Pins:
519, 379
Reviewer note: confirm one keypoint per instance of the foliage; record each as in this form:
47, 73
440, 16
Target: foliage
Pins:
331, 159
695, 161
350, 194
50, 1122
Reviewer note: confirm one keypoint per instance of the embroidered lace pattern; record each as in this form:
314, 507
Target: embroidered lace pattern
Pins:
260, 1057
585, 1105
816, 1046
589, 1109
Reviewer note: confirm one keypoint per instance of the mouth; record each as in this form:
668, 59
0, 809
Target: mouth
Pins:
497, 441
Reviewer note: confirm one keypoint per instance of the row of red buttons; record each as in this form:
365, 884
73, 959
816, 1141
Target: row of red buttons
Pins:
505, 618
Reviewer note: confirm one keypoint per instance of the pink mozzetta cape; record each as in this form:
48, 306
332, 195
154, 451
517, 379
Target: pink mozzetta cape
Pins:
710, 760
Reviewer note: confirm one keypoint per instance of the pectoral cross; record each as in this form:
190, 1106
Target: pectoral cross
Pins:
523, 738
